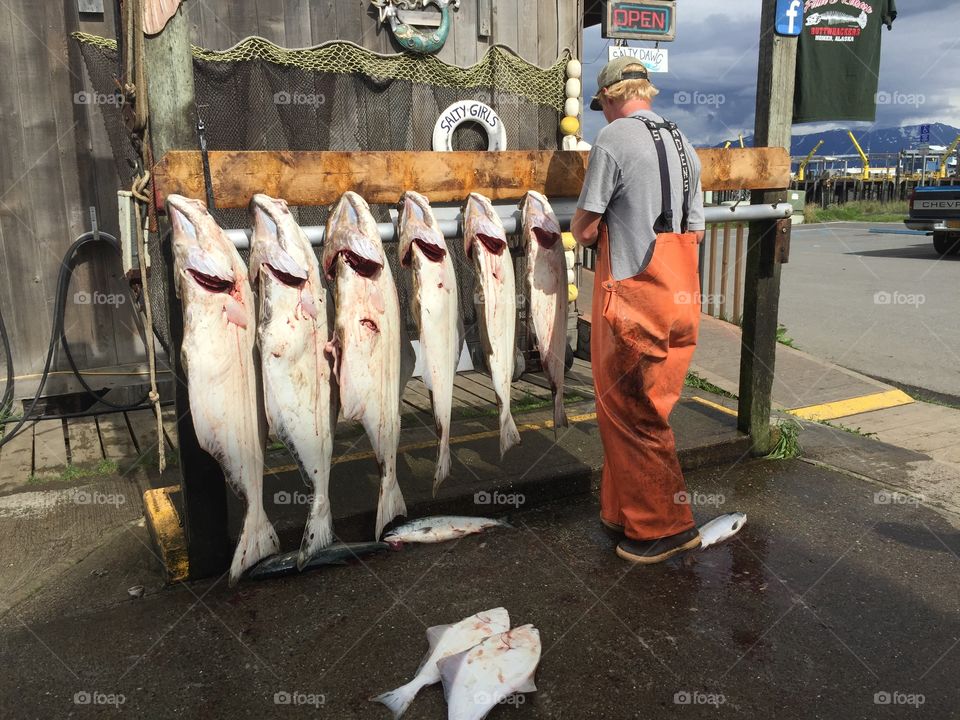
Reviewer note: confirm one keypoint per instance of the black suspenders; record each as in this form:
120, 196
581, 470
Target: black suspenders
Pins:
664, 223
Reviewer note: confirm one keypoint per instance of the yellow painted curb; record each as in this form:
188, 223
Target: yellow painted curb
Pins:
853, 406
167, 531
715, 406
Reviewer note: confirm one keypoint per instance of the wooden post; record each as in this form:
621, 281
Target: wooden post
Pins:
774, 121
168, 65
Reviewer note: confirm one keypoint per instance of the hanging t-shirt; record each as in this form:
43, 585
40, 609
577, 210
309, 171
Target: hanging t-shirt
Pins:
838, 59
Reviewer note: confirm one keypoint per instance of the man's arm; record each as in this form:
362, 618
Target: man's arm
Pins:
586, 227
599, 186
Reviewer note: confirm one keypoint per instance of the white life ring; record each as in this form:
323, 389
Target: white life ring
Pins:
465, 111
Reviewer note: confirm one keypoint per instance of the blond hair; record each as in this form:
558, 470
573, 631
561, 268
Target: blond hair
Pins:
631, 89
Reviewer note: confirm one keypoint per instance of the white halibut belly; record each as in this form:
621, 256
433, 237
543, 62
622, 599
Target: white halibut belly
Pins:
436, 287
296, 377
499, 315
221, 377
370, 361
548, 306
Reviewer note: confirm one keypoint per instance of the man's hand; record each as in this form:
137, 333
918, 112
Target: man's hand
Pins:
586, 227
700, 234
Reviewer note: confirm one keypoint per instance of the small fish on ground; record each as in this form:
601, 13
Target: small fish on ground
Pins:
476, 680
445, 640
336, 554
721, 528
440, 529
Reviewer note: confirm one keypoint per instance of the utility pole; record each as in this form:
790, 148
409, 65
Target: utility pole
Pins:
769, 240
168, 66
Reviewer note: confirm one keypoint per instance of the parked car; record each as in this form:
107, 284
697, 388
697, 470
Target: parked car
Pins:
937, 210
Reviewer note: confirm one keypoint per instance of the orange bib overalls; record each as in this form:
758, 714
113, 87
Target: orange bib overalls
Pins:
644, 333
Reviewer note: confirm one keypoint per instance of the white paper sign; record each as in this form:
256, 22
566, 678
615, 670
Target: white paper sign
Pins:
654, 59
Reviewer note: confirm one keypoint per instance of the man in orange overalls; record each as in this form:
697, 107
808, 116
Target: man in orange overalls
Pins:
642, 207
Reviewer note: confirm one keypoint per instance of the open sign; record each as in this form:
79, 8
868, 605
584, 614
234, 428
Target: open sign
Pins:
648, 20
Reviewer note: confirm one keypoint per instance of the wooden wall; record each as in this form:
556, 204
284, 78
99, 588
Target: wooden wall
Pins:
55, 159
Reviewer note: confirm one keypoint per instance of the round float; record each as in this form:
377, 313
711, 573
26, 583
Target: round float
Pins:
465, 111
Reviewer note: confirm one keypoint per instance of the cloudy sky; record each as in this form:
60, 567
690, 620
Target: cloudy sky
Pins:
716, 49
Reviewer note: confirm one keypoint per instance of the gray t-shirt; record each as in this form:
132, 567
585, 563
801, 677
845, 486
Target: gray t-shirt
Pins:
623, 185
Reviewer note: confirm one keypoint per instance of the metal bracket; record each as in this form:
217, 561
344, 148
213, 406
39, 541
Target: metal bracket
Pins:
205, 158
781, 251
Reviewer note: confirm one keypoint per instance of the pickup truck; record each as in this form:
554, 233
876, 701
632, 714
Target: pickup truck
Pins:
937, 210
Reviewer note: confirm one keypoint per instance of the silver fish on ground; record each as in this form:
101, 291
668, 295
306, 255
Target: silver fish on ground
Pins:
485, 243
440, 529
445, 640
721, 528
547, 284
293, 331
367, 338
476, 680
336, 554
219, 359
435, 305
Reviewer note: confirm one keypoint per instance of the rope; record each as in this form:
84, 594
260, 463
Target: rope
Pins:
137, 190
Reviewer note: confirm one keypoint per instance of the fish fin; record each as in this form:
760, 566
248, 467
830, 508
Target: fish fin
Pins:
425, 364
236, 313
318, 532
258, 540
527, 686
509, 435
449, 668
308, 303
503, 522
408, 359
397, 701
443, 460
434, 636
390, 505
559, 414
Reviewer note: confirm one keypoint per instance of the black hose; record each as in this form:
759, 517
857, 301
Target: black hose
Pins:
6, 402
59, 311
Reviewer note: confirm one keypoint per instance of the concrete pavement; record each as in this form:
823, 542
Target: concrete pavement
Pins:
882, 303
829, 604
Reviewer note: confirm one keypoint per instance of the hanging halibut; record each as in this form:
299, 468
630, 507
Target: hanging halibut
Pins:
547, 285
435, 306
485, 243
293, 331
218, 357
367, 339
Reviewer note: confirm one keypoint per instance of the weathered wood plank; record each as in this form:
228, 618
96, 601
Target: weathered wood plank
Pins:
17, 460
49, 447
144, 426
320, 178
84, 441
116, 439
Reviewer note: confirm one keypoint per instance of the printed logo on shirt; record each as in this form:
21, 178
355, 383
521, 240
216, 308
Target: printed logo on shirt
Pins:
836, 20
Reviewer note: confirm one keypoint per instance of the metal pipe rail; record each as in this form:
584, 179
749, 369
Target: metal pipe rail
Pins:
452, 228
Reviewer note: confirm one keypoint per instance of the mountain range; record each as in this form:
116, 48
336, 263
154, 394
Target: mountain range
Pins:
881, 140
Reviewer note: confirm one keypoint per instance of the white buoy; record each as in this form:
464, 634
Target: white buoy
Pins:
583, 145
571, 107
574, 69
573, 88
569, 142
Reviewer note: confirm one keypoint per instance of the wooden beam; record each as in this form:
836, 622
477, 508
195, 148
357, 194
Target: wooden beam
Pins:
773, 126
168, 65
320, 178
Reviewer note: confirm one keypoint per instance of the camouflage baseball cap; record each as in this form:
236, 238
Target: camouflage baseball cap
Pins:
615, 71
